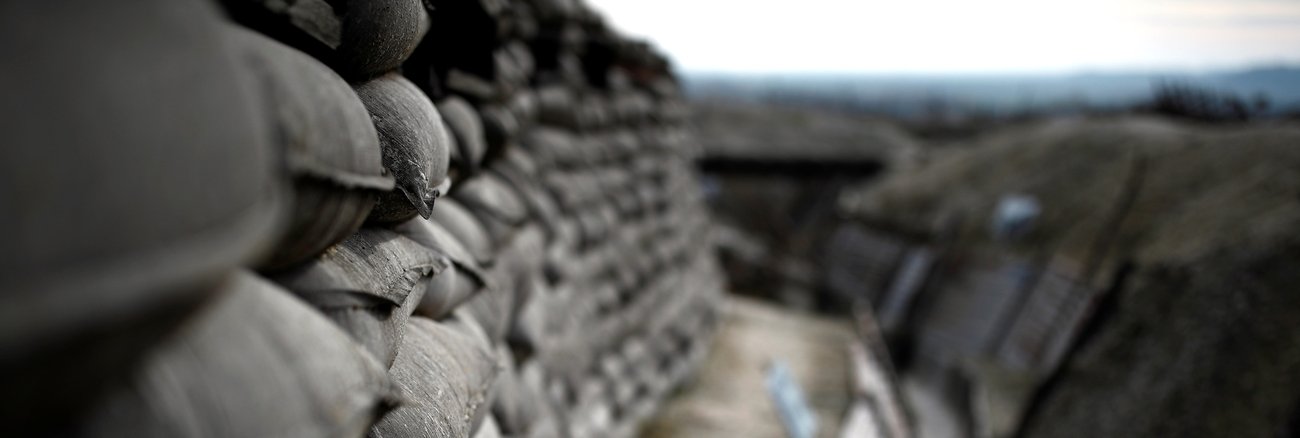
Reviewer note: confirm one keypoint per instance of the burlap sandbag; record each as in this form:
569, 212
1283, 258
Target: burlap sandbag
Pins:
446, 373
521, 173
330, 146
128, 191
520, 259
454, 286
369, 284
255, 362
360, 39
524, 106
500, 128
489, 429
495, 204
463, 122
378, 35
308, 25
468, 231
513, 408
415, 146
548, 420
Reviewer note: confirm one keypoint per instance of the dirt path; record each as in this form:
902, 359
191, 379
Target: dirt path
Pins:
727, 398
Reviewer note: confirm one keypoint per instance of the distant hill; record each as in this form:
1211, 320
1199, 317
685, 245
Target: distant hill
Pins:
1200, 339
783, 134
931, 96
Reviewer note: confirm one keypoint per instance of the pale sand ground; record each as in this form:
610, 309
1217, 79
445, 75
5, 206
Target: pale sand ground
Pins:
727, 397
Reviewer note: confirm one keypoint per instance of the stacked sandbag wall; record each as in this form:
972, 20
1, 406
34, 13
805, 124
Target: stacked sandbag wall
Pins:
344, 218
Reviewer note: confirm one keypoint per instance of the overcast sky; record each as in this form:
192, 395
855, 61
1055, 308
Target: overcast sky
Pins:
963, 36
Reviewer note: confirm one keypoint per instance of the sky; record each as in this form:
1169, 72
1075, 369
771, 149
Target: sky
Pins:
963, 36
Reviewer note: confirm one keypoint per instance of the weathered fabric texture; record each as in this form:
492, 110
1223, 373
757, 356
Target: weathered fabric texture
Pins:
560, 286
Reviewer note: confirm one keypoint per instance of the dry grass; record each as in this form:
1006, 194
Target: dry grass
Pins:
1202, 188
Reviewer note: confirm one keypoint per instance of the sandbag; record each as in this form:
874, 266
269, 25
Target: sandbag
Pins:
471, 86
492, 309
524, 106
518, 262
495, 204
307, 25
511, 72
489, 429
463, 122
415, 146
369, 284
454, 286
512, 408
255, 362
378, 35
446, 373
329, 143
467, 229
127, 190
549, 147
500, 127
464, 322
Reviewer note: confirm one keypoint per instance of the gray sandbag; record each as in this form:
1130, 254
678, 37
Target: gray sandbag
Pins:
415, 147
489, 429
512, 407
625, 142
464, 322
548, 146
511, 73
633, 107
492, 309
454, 286
554, 10
518, 262
127, 190
329, 143
446, 373
255, 362
378, 35
528, 331
519, 21
536, 414
369, 284
495, 204
523, 56
664, 88
500, 127
467, 229
524, 106
309, 25
672, 112
557, 105
471, 86
463, 122
521, 173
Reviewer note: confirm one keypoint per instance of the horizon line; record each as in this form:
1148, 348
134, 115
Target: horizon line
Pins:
1119, 71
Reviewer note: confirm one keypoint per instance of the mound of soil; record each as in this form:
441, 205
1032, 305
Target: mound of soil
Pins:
1200, 339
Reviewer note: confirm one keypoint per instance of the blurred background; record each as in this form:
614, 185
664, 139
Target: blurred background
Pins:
679, 218
1065, 218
